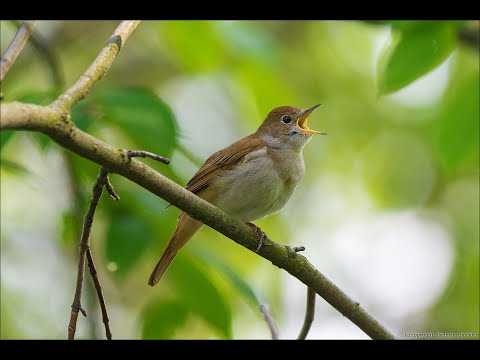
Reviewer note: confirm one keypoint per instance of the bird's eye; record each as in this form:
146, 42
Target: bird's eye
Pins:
286, 119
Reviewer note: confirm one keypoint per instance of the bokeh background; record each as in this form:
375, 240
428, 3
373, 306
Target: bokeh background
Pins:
388, 209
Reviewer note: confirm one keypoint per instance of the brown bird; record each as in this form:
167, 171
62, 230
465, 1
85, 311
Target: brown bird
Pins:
250, 179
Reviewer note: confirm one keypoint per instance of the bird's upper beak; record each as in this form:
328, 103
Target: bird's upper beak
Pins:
302, 122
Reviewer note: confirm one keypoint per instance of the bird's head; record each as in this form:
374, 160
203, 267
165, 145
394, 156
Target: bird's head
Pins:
286, 126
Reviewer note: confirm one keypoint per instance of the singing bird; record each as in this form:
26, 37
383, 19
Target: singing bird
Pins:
250, 179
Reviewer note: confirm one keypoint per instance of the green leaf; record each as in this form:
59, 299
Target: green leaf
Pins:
416, 52
195, 45
235, 279
248, 41
416, 24
128, 237
162, 319
407, 24
85, 113
141, 115
458, 126
200, 295
39, 97
42, 140
5, 135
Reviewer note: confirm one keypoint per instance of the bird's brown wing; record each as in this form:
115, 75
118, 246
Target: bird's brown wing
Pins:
223, 160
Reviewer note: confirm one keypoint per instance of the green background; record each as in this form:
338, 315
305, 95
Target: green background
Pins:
388, 208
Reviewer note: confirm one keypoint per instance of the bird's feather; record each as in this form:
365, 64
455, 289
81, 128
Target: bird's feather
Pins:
223, 160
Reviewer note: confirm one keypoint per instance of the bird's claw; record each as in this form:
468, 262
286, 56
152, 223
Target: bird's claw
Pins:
260, 233
260, 243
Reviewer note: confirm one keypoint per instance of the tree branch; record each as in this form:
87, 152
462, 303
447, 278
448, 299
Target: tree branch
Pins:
84, 248
98, 288
79, 213
15, 47
98, 68
58, 126
145, 154
270, 322
55, 121
48, 53
309, 314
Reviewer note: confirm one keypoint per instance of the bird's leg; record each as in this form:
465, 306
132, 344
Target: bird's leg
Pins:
258, 232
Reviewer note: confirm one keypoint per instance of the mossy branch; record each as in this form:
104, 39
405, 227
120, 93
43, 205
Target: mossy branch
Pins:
58, 126
54, 121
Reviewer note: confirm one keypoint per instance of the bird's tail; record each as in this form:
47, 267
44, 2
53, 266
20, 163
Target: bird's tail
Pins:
186, 228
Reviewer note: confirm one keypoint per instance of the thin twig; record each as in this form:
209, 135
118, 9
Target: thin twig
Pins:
144, 154
264, 309
309, 314
15, 47
84, 247
78, 213
98, 288
298, 248
98, 68
48, 53
111, 190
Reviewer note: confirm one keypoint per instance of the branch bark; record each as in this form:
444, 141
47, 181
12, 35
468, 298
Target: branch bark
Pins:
15, 47
54, 120
264, 309
48, 53
98, 289
84, 249
98, 68
309, 314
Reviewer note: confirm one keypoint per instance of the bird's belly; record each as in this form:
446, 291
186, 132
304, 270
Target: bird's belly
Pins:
252, 190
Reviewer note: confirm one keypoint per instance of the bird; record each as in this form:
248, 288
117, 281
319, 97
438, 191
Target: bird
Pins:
250, 179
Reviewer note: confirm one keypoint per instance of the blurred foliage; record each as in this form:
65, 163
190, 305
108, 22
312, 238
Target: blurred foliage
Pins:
405, 156
418, 47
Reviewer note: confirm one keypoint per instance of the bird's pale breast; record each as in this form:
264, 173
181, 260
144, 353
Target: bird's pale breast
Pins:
260, 185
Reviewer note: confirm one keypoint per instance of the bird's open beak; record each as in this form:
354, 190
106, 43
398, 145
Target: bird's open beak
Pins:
302, 122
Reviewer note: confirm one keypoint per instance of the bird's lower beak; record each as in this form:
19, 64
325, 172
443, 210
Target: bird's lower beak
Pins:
302, 122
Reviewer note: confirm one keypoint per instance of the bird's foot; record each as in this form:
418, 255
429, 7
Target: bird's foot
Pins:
260, 233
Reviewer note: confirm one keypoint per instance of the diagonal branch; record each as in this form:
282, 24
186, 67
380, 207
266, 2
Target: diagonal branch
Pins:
98, 68
59, 128
15, 47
